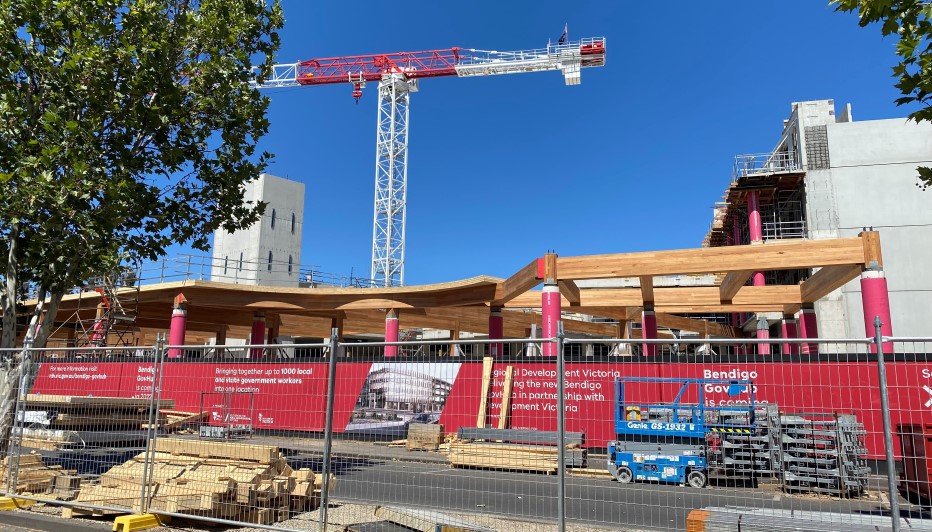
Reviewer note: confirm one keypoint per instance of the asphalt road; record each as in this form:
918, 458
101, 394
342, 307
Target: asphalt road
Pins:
528, 496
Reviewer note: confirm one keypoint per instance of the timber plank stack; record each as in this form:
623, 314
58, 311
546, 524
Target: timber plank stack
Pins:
35, 477
248, 483
73, 412
423, 436
501, 449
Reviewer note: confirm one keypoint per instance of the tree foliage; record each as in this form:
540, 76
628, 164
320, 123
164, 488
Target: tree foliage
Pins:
125, 126
911, 22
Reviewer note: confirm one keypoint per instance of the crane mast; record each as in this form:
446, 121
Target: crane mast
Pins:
398, 75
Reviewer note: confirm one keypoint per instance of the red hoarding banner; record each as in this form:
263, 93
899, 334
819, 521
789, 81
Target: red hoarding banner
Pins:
291, 396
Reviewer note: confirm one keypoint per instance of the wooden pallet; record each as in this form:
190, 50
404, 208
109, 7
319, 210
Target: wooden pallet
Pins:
422, 436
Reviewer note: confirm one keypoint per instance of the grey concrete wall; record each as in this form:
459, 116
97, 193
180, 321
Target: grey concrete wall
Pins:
284, 198
872, 183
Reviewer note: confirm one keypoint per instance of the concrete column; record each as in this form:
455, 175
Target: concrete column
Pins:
649, 331
391, 332
257, 337
496, 332
876, 302
177, 329
763, 333
789, 329
550, 311
808, 328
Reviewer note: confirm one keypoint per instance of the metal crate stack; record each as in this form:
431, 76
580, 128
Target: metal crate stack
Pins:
824, 454
754, 453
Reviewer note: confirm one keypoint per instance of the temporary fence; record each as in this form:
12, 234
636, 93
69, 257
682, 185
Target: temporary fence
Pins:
603, 434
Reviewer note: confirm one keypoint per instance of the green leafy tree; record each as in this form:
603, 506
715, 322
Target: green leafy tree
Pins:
911, 22
125, 126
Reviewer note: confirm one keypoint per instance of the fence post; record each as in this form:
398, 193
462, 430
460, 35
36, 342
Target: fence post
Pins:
15, 448
155, 402
328, 427
887, 429
561, 430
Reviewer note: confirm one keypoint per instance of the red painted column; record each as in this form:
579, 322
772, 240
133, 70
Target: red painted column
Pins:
177, 329
391, 332
808, 328
875, 299
789, 329
550, 312
649, 331
257, 337
496, 332
763, 333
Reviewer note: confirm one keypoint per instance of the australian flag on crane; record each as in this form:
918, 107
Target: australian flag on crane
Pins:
563, 37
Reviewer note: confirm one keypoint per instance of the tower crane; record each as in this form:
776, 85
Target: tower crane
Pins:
398, 75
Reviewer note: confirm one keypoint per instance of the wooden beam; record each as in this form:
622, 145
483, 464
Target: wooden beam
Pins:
550, 268
732, 283
570, 291
693, 325
872, 252
519, 283
504, 412
647, 289
484, 397
826, 280
769, 256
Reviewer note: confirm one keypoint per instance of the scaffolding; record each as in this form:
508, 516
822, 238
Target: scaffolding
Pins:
114, 322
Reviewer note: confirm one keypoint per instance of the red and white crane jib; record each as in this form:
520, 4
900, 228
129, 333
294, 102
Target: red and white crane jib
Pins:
569, 57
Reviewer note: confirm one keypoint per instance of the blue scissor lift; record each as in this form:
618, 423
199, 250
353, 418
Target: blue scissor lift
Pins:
668, 442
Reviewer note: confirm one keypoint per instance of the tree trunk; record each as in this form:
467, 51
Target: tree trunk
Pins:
16, 373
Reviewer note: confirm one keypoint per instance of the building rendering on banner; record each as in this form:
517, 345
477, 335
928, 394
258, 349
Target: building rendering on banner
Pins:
269, 252
400, 389
831, 177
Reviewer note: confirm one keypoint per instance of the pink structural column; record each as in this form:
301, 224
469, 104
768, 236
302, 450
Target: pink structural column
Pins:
496, 332
257, 337
391, 332
789, 330
763, 333
875, 299
177, 329
808, 328
550, 312
756, 233
649, 330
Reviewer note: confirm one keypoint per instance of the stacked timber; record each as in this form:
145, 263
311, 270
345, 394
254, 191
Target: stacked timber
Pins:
71, 412
505, 456
248, 483
423, 436
34, 477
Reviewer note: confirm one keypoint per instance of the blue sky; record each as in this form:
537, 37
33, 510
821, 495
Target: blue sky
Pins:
502, 169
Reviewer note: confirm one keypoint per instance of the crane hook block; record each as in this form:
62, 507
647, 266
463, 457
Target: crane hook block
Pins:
357, 92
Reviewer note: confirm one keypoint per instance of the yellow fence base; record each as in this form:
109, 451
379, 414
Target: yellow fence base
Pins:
131, 523
11, 503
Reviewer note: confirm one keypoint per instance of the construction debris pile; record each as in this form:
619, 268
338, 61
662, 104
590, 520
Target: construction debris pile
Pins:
248, 483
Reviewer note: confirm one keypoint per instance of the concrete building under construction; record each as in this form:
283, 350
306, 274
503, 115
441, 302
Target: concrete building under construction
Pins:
831, 177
